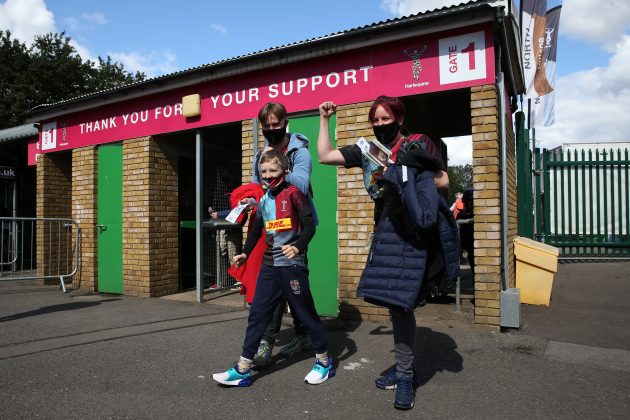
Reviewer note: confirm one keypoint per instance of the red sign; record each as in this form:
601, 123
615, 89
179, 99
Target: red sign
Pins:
436, 62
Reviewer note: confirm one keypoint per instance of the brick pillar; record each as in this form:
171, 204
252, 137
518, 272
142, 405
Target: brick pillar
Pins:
150, 220
54, 184
487, 193
84, 212
355, 218
247, 148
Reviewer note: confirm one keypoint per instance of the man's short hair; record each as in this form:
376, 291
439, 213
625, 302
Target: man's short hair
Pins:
275, 108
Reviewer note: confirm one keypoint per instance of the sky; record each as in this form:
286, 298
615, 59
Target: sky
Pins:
159, 37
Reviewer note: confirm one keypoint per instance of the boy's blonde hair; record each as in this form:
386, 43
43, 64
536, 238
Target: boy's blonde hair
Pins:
277, 156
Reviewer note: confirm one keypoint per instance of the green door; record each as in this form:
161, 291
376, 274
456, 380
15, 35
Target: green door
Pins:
323, 249
109, 229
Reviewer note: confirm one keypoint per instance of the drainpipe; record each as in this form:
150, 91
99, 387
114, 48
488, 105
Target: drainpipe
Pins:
510, 307
500, 86
502, 109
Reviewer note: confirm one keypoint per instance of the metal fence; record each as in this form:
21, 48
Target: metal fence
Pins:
38, 248
220, 242
584, 199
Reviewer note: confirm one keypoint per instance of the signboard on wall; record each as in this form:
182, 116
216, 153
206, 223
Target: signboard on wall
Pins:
436, 62
7, 172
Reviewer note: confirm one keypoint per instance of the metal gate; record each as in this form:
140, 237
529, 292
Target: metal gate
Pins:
583, 197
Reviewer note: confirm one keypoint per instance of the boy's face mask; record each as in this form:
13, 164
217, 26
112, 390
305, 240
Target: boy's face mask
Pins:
274, 183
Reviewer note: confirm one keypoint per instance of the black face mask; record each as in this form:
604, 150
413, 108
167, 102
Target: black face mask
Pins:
385, 133
275, 136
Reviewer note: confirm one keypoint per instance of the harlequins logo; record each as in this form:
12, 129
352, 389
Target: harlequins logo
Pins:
295, 287
416, 64
548, 34
284, 205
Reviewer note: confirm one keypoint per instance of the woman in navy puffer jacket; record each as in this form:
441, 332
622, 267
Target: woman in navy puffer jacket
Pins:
414, 227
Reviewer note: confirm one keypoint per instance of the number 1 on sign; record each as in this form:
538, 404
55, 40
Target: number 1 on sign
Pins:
470, 51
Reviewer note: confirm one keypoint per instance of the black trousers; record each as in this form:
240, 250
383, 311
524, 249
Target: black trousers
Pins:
274, 283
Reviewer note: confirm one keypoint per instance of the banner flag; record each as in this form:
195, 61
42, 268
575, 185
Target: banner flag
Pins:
533, 38
543, 114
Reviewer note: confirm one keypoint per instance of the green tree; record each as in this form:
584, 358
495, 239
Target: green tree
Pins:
15, 92
50, 71
460, 179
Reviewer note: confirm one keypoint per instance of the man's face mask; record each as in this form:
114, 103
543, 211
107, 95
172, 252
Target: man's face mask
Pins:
275, 136
385, 133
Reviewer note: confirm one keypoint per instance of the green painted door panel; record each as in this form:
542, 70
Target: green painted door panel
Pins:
109, 231
323, 250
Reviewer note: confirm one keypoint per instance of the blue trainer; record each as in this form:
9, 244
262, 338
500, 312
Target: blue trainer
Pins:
387, 381
232, 377
405, 393
320, 373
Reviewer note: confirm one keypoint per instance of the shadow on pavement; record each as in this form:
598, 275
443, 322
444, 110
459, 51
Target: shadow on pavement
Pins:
54, 308
435, 352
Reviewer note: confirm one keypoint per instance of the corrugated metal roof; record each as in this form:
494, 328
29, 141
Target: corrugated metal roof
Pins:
19, 132
389, 23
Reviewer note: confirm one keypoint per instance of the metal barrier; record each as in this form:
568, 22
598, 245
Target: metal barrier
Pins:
222, 240
57, 241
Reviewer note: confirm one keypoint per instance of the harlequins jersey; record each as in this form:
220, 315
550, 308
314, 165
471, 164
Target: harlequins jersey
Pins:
281, 223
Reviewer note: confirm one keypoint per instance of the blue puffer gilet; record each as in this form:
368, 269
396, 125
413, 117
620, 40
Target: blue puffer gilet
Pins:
415, 220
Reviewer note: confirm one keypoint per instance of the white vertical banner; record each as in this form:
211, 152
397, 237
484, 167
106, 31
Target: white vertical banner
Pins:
543, 106
533, 37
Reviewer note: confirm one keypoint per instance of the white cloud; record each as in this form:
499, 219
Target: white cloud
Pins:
219, 28
95, 17
153, 63
86, 22
459, 150
410, 7
26, 18
595, 21
591, 105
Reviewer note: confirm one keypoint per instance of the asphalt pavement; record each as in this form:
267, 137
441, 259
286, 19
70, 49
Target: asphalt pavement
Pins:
80, 355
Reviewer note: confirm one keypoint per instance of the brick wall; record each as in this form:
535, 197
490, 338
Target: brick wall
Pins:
54, 197
486, 185
150, 220
84, 212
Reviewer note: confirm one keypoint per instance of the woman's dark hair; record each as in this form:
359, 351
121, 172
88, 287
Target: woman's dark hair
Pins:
394, 106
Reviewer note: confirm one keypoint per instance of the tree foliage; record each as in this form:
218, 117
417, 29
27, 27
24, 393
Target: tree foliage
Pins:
460, 179
50, 71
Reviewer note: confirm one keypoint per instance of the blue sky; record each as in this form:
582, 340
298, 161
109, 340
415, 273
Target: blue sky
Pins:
161, 36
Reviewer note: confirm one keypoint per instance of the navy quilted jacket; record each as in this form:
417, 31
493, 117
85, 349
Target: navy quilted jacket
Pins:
416, 225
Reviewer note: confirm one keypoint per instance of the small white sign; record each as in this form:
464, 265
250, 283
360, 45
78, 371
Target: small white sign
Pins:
462, 58
236, 211
49, 136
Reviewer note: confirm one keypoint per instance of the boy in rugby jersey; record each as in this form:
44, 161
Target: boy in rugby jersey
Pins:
287, 218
